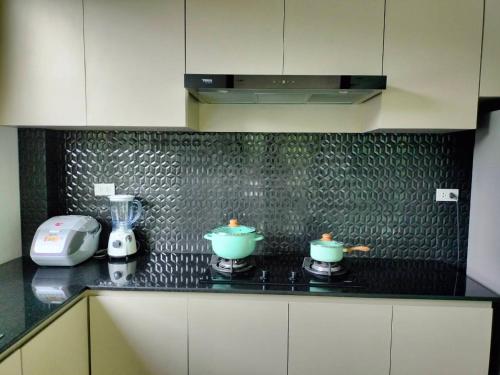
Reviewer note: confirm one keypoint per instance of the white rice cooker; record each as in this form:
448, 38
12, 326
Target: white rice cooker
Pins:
65, 240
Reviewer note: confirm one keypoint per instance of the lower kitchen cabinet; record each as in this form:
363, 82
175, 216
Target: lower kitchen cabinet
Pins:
12, 364
62, 347
237, 335
441, 340
339, 338
153, 333
139, 333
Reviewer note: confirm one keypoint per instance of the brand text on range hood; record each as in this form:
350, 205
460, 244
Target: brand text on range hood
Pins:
281, 89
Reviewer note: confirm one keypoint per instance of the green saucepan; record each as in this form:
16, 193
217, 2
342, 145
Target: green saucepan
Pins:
327, 250
233, 241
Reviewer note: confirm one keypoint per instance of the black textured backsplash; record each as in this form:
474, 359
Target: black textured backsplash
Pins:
373, 189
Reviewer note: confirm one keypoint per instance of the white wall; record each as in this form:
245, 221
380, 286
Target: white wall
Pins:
483, 259
10, 217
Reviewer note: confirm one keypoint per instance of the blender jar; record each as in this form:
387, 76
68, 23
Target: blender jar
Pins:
125, 211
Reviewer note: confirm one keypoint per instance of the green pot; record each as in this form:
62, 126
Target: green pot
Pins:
233, 241
327, 250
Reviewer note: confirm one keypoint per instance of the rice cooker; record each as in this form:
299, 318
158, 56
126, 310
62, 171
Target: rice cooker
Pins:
65, 240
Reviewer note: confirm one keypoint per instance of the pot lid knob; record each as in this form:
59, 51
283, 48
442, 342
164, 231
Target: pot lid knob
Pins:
326, 237
234, 223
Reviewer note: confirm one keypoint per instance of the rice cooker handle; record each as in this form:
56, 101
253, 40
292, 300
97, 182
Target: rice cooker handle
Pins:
97, 229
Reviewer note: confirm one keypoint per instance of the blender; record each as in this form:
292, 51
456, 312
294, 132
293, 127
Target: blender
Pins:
125, 211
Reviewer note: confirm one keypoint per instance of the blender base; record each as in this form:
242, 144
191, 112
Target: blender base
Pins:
121, 243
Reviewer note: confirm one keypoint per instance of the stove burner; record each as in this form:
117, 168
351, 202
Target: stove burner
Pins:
277, 272
231, 266
323, 268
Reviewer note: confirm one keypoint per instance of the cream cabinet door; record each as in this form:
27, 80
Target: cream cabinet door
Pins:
62, 347
237, 335
441, 340
339, 338
12, 364
234, 37
139, 333
432, 52
135, 63
490, 64
42, 74
334, 37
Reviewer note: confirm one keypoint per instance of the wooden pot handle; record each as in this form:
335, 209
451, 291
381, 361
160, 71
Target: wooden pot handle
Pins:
357, 248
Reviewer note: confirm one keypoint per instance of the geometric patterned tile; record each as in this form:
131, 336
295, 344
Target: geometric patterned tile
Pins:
33, 182
374, 189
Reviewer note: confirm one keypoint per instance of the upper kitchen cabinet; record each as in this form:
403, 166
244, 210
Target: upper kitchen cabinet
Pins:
234, 37
490, 66
432, 57
135, 64
42, 74
326, 37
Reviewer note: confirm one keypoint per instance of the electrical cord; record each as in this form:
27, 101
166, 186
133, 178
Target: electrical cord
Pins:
457, 211
458, 233
100, 254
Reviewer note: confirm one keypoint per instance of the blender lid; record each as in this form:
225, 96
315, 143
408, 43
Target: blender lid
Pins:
234, 228
121, 198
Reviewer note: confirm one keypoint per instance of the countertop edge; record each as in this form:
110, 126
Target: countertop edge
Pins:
298, 293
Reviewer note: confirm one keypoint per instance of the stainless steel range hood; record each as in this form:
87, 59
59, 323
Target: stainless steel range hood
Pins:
280, 89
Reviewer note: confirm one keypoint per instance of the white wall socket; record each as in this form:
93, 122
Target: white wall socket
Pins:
104, 189
444, 195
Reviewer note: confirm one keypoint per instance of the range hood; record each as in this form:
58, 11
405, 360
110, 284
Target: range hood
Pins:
283, 89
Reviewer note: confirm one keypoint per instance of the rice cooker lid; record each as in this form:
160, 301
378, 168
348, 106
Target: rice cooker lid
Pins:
78, 223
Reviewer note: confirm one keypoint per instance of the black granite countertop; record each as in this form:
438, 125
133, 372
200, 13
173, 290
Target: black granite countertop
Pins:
30, 294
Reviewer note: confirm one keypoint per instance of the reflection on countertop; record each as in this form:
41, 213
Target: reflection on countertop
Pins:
29, 294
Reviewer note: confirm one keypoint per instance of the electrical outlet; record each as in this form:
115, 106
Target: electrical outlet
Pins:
445, 195
104, 189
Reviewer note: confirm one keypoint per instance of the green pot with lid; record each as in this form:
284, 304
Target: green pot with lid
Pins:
328, 250
233, 241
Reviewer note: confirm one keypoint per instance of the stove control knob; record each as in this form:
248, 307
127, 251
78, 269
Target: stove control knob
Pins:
264, 275
117, 243
293, 276
117, 275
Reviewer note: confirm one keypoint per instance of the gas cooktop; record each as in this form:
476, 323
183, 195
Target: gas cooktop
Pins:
277, 271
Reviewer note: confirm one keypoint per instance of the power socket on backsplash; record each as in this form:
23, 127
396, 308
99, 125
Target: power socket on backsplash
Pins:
446, 195
104, 189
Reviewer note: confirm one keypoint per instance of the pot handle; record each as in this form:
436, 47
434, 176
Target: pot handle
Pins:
208, 236
259, 237
356, 248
